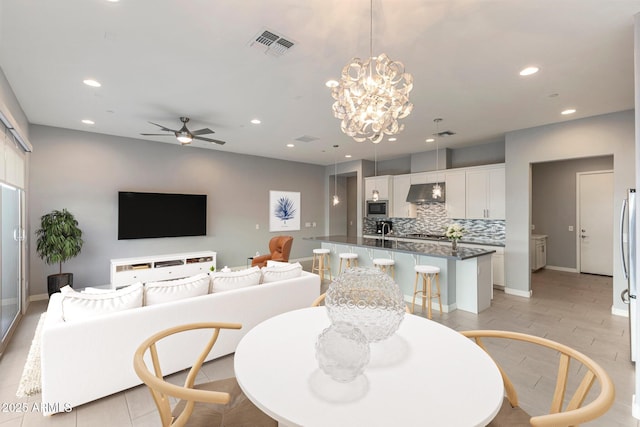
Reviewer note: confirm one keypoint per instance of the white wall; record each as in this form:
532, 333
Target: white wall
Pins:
84, 171
610, 134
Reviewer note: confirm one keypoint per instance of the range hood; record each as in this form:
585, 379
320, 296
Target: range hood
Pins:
423, 193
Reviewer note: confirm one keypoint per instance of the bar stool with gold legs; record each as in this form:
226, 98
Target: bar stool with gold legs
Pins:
321, 263
350, 259
386, 265
428, 274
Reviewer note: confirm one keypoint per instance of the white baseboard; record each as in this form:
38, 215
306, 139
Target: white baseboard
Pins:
517, 292
567, 269
619, 312
38, 297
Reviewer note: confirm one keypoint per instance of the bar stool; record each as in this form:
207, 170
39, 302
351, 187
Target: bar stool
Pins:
321, 262
386, 265
428, 273
350, 258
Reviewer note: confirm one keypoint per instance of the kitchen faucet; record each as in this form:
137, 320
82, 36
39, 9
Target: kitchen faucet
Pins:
382, 229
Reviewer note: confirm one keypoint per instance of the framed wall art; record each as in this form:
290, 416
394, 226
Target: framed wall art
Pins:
284, 211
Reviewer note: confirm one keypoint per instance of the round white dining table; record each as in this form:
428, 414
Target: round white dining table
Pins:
426, 374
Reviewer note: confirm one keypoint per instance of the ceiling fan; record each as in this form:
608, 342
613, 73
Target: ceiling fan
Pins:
184, 135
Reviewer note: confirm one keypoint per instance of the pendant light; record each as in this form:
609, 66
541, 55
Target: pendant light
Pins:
336, 199
372, 95
375, 194
437, 190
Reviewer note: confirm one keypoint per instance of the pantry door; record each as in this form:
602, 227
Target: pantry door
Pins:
595, 222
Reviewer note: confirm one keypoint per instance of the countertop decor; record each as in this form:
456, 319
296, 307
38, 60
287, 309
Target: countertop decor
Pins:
454, 233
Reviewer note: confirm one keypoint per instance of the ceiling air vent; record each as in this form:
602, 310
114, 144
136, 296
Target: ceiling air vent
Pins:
444, 133
306, 138
273, 44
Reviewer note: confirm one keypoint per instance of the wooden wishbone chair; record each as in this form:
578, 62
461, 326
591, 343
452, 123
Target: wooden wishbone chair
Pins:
320, 300
574, 413
224, 398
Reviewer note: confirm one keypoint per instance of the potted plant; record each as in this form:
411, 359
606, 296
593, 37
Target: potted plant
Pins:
59, 239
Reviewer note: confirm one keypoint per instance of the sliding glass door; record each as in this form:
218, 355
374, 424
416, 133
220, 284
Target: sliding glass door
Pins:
11, 236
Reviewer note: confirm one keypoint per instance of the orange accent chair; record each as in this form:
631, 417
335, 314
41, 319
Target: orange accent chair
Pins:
280, 248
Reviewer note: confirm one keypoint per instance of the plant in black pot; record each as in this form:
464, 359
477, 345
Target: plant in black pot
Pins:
59, 239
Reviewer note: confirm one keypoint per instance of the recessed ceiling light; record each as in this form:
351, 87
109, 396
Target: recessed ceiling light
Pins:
331, 83
429, 140
291, 145
88, 122
568, 111
91, 82
529, 70
256, 121
348, 156
393, 139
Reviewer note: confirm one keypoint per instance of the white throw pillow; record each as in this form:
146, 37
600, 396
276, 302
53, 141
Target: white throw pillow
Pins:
172, 290
225, 281
272, 263
281, 272
80, 306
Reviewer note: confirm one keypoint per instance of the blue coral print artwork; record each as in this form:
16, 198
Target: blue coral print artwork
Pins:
284, 211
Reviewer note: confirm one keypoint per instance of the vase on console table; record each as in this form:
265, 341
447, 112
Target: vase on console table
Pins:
454, 245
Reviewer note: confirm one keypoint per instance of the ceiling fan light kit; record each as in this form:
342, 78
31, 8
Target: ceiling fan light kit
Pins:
184, 135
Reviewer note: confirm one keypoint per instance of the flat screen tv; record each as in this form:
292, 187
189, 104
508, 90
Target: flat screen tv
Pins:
151, 215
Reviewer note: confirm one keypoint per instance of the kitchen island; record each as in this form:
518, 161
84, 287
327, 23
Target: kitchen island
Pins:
465, 275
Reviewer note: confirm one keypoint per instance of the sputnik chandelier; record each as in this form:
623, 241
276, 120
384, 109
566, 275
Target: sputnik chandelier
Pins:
372, 96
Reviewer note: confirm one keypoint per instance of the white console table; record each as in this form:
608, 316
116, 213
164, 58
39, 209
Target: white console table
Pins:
125, 271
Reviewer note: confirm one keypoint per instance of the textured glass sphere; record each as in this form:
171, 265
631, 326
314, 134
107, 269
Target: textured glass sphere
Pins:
367, 298
342, 351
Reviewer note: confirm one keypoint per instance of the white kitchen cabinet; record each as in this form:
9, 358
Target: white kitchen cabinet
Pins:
400, 207
427, 177
538, 251
455, 195
497, 261
485, 193
419, 178
384, 185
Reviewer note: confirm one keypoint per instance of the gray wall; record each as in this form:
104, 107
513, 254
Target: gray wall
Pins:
83, 172
485, 154
553, 205
609, 134
338, 213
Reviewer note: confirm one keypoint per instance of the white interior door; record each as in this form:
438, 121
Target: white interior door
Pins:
595, 220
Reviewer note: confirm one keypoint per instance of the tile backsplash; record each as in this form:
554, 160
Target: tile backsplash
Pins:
432, 219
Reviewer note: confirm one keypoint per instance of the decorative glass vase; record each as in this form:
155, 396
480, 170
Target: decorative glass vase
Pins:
454, 245
368, 299
342, 351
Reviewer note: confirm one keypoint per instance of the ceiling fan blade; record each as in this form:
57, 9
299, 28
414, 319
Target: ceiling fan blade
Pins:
156, 134
209, 140
203, 131
164, 128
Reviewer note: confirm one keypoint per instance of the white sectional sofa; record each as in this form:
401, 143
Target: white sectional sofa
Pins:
84, 360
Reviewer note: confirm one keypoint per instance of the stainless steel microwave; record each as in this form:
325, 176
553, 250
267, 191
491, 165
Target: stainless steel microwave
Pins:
377, 209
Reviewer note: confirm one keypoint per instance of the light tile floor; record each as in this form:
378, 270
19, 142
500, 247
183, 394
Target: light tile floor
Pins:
574, 309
